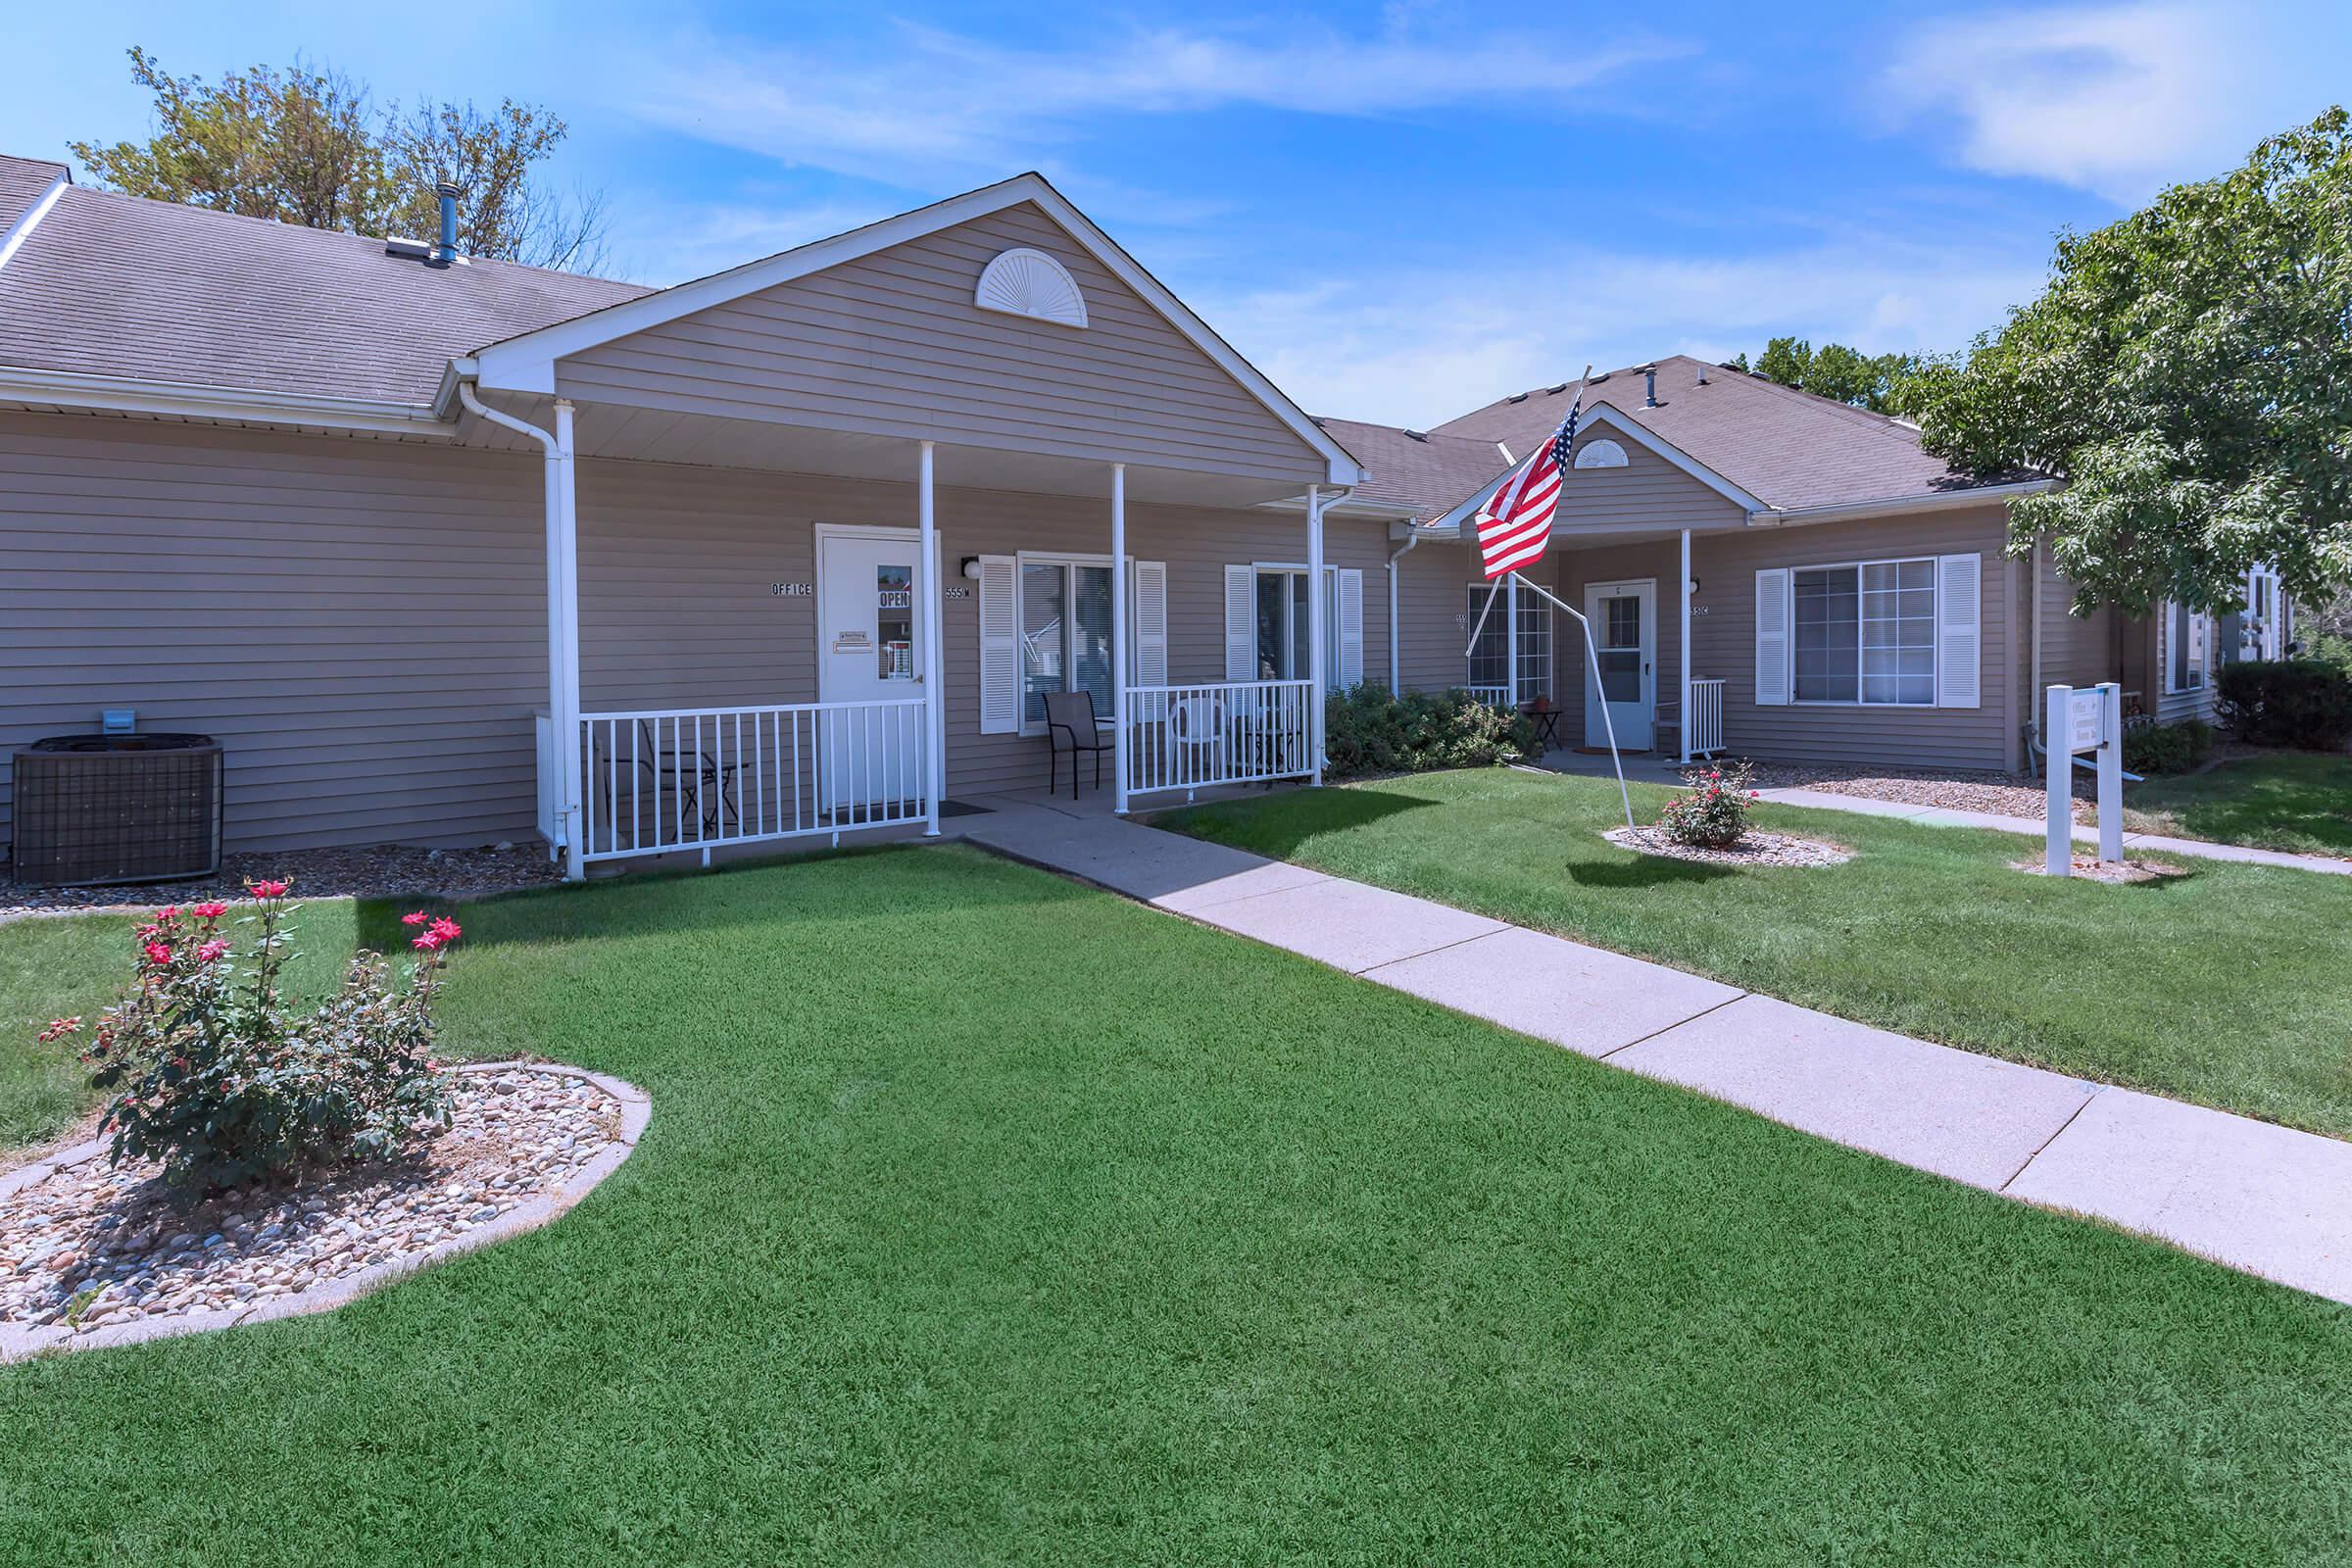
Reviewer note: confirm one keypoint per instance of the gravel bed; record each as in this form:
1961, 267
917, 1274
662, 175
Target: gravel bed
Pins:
1753, 849
382, 871
2005, 794
2096, 869
90, 1245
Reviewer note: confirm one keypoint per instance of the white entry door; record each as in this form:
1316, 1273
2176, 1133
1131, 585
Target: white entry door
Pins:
1624, 618
869, 649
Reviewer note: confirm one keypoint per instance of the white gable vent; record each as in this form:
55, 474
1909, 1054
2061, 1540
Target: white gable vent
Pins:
1600, 455
1027, 282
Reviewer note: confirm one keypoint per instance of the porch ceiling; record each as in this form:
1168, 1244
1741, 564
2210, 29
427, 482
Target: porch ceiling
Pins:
659, 435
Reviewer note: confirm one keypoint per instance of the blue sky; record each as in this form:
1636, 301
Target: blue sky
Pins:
1398, 212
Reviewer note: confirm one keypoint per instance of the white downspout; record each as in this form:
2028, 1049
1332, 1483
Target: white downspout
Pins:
1412, 537
563, 609
2033, 697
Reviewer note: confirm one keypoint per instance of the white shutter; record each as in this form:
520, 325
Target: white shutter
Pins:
1959, 594
1772, 637
1151, 623
1352, 627
999, 649
1241, 624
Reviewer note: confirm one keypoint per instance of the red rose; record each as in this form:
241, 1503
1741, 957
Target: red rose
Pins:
267, 890
414, 917
447, 929
426, 943
158, 953
212, 910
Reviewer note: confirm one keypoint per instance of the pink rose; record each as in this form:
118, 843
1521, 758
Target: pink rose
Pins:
212, 910
414, 917
447, 929
158, 953
426, 943
208, 951
267, 890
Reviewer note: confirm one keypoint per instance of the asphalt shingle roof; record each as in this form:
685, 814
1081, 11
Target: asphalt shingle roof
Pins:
1409, 469
22, 181
122, 286
1790, 449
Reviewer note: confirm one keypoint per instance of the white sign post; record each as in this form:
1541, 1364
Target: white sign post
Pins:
2076, 721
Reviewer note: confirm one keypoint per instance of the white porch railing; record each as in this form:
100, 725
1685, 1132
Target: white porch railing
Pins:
655, 781
1492, 696
1241, 732
1707, 717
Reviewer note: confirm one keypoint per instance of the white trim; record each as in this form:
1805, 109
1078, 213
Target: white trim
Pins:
1064, 559
2164, 646
1934, 620
1644, 590
31, 217
526, 362
881, 532
66, 389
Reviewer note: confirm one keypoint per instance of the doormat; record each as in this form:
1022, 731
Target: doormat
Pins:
962, 808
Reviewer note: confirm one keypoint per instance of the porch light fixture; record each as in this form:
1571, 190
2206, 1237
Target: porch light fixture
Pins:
970, 567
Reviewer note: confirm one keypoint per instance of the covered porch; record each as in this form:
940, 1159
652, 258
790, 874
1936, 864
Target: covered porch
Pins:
924, 641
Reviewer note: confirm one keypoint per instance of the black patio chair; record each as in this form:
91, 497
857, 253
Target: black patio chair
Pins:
1070, 727
707, 784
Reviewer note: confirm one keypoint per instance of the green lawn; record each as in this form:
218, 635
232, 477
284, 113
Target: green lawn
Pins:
2300, 802
2226, 986
988, 1218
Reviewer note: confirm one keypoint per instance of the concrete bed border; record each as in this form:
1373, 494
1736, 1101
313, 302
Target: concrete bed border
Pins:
23, 1340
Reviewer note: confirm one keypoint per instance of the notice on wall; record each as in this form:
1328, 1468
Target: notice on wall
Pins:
853, 642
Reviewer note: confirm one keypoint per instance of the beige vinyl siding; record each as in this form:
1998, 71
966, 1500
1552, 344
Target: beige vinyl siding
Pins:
1430, 598
892, 344
2076, 650
362, 624
2171, 707
1723, 637
1648, 492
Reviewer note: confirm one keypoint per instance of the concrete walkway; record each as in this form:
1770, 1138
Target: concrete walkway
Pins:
2256, 1197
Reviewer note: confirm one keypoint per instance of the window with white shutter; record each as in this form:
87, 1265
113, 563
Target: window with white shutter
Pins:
1000, 648
1772, 637
1352, 627
1240, 622
1959, 641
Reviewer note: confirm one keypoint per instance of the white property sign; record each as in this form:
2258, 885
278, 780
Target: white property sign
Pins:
2087, 720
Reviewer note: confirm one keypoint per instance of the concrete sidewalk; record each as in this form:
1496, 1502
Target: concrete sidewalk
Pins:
2256, 1197
1946, 816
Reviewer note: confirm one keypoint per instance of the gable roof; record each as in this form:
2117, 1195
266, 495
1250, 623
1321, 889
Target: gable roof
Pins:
22, 182
527, 361
1791, 450
1415, 472
121, 286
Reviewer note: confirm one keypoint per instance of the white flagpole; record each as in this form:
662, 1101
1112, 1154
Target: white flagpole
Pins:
1592, 659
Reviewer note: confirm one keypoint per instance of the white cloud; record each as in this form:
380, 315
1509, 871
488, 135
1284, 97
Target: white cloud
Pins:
1416, 349
930, 107
2116, 99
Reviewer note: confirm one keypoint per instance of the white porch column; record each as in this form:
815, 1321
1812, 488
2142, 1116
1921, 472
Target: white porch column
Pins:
1316, 673
563, 615
1683, 594
1121, 667
935, 729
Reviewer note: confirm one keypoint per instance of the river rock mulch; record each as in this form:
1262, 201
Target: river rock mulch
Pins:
381, 871
96, 1255
2002, 794
1753, 849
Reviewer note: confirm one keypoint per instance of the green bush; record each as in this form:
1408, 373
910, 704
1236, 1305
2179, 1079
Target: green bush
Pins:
218, 1080
2302, 703
1367, 729
1713, 811
2167, 747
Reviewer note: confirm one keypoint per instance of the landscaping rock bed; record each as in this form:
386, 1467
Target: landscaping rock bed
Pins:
98, 1254
1753, 849
2115, 871
2004, 794
386, 870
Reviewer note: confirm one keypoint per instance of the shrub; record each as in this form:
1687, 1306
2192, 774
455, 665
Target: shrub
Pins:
2167, 747
220, 1082
1713, 811
2303, 703
1366, 729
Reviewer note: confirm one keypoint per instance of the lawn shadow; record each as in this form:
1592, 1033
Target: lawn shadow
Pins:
1644, 871
1281, 823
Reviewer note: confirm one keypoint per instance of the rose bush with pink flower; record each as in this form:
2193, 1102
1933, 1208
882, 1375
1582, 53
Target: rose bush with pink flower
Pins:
219, 1080
1713, 811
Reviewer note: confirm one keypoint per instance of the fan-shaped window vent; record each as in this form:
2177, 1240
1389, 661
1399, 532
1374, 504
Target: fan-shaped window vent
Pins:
1027, 282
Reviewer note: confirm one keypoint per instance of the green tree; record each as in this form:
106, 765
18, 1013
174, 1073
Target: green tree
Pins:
1877, 382
304, 145
2188, 373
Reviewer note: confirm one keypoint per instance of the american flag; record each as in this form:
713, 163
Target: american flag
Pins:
1515, 525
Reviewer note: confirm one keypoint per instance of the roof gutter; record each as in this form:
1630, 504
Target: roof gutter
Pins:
1938, 501
113, 394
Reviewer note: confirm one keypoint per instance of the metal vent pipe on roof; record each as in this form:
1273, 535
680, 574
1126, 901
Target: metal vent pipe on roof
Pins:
1649, 386
446, 250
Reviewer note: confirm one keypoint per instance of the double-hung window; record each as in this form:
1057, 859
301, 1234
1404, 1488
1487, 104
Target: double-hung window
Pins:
1065, 634
1283, 625
1865, 632
1487, 657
